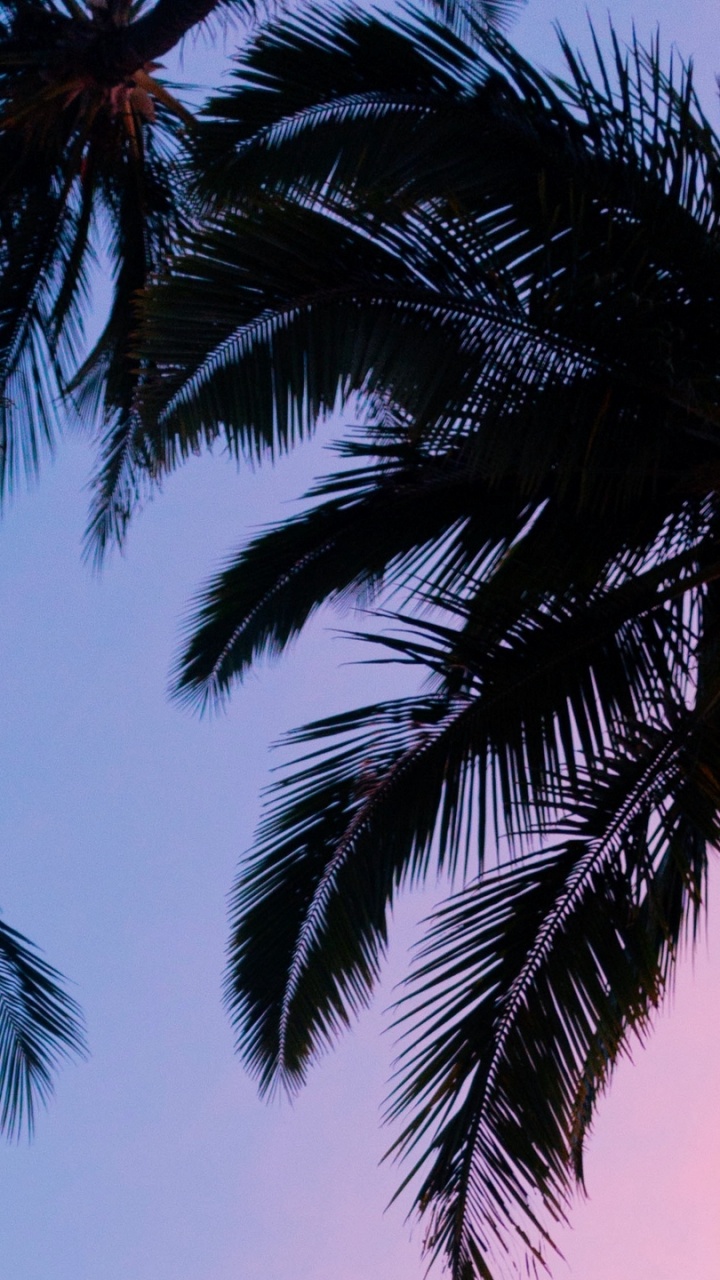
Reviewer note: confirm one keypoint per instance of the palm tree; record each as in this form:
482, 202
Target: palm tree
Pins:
90, 150
91, 157
91, 143
89, 147
516, 278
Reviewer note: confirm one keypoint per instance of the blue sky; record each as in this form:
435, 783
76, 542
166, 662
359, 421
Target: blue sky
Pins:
121, 821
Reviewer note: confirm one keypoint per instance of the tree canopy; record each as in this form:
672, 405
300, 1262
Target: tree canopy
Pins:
512, 279
95, 173
516, 277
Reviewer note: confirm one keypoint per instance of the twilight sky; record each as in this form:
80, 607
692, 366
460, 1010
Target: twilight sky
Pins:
121, 821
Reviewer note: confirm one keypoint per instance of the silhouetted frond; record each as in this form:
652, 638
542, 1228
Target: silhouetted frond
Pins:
39, 1025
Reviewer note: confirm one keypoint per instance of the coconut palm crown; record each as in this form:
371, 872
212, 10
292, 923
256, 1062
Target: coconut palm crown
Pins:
516, 278
91, 140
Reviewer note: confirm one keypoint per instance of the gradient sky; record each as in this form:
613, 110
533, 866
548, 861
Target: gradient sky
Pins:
121, 821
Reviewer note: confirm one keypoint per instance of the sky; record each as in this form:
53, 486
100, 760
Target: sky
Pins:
122, 818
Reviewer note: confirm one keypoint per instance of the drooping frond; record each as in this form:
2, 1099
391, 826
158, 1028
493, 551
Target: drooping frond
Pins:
325, 93
529, 986
424, 523
381, 527
519, 707
39, 1025
87, 162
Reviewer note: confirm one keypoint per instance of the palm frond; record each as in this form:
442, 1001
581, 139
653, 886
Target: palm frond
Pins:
523, 249
528, 988
39, 1025
427, 524
404, 783
332, 298
82, 159
37, 233
147, 219
316, 93
385, 527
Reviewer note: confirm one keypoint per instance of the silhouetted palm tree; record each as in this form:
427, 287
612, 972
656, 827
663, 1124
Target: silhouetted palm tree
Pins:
517, 279
89, 156
92, 158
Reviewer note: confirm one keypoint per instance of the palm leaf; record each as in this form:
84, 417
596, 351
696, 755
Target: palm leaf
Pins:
81, 163
39, 1025
388, 789
422, 523
325, 92
524, 995
328, 289
387, 524
140, 190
